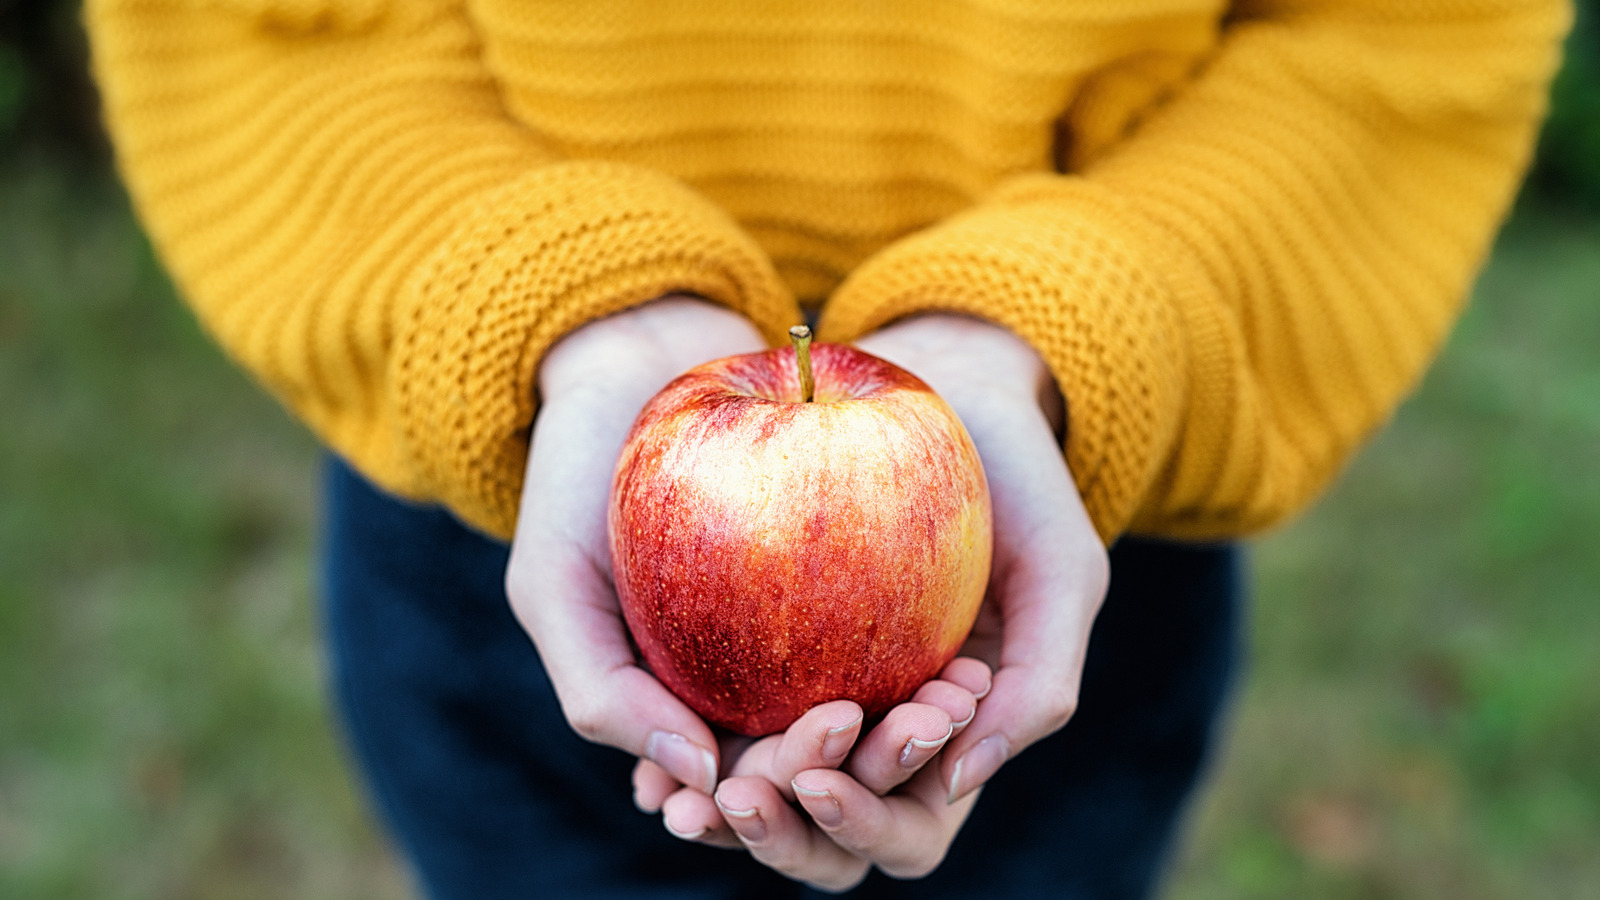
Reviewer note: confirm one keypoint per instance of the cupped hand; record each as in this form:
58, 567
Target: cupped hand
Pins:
827, 765
1049, 577
1050, 569
592, 385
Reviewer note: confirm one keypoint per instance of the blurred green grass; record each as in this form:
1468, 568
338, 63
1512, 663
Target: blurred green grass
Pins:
1421, 717
162, 730
1423, 709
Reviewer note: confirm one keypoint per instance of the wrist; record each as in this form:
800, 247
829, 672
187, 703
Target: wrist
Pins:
974, 364
645, 346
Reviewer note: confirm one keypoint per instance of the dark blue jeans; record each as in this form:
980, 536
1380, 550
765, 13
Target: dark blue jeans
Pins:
490, 795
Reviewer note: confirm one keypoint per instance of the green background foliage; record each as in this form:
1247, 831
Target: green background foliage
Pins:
1420, 717
1569, 150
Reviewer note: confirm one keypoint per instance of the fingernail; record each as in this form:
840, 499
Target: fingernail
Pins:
916, 752
639, 803
839, 741
957, 726
978, 765
687, 836
683, 759
746, 823
986, 689
822, 805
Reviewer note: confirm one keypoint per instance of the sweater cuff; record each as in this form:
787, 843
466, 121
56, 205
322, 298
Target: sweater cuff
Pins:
1058, 262
531, 261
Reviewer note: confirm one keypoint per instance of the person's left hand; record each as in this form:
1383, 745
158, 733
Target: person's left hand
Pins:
1049, 577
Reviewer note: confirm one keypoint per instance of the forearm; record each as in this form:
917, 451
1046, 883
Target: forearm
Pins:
353, 214
1236, 292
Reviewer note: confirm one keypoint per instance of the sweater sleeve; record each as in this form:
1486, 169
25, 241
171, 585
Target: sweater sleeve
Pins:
341, 196
1240, 288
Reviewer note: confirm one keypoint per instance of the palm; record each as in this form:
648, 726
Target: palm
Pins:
1050, 570
559, 578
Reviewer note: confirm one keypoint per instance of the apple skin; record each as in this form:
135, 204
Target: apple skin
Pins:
770, 555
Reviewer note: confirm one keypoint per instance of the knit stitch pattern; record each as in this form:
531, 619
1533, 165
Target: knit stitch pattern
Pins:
1236, 236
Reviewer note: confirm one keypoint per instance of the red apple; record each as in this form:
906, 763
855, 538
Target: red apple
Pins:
771, 554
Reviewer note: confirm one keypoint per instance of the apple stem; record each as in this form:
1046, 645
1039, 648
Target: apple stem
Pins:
800, 336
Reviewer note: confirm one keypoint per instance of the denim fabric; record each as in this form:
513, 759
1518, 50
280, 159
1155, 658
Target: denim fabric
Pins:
464, 751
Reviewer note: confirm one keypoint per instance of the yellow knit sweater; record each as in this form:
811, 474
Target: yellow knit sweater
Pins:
1236, 234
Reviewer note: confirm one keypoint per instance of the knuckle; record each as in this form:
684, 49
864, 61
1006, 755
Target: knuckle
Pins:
1096, 571
520, 596
864, 840
842, 881
920, 865
514, 583
516, 587
788, 864
587, 718
1058, 705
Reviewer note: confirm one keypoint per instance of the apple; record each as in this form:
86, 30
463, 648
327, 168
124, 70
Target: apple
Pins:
773, 550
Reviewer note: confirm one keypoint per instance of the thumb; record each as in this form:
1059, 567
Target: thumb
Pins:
560, 590
1047, 618
570, 613
1049, 579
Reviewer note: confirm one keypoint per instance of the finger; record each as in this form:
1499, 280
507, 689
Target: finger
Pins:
969, 673
820, 739
560, 591
692, 816
782, 839
652, 785
731, 748
1048, 579
1035, 689
604, 695
1035, 692
906, 834
957, 702
909, 736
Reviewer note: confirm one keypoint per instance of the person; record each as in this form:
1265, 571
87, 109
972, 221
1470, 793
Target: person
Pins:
1170, 262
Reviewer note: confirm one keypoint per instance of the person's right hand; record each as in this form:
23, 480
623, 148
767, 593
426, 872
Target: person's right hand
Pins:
592, 385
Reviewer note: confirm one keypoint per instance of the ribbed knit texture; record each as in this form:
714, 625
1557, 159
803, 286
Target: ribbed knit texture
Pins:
1235, 240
